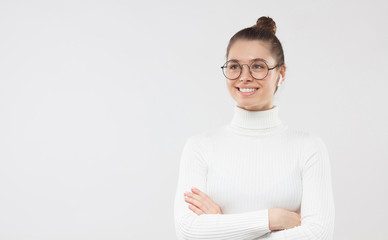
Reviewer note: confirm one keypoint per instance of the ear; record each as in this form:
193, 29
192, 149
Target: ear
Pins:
282, 73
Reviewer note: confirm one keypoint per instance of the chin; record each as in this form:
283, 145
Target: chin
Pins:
247, 102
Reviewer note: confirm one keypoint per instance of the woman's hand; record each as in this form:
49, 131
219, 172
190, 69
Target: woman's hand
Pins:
280, 219
201, 203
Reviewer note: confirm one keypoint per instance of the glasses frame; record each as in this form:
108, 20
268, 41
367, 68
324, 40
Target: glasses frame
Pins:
249, 66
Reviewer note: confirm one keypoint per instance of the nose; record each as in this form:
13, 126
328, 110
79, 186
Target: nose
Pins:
245, 74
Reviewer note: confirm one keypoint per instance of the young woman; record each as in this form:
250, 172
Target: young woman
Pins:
254, 178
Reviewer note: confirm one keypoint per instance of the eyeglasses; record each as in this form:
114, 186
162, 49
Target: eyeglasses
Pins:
258, 69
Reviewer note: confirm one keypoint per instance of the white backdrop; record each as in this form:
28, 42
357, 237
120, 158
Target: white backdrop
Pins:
98, 97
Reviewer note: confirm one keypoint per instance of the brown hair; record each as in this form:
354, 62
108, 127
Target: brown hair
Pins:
264, 30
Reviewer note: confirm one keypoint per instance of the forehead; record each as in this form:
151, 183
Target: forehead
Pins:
247, 50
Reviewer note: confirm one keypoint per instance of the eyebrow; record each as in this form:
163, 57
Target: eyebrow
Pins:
251, 60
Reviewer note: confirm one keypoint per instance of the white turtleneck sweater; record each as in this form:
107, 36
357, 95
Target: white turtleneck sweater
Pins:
249, 166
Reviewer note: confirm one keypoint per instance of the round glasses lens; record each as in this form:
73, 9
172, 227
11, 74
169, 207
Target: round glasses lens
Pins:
259, 69
232, 69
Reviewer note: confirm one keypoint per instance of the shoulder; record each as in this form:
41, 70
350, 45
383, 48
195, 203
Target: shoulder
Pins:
202, 141
313, 142
313, 149
197, 146
305, 137
308, 143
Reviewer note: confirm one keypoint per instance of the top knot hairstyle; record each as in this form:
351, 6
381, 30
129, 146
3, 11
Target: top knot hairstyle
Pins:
265, 24
264, 30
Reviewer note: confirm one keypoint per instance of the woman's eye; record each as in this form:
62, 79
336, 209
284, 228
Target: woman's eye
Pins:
234, 67
257, 66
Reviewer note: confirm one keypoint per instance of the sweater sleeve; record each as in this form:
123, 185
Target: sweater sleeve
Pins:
317, 206
189, 225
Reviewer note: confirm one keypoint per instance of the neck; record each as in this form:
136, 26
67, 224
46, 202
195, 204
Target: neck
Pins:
256, 108
261, 122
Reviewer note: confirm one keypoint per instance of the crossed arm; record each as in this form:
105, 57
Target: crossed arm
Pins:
317, 207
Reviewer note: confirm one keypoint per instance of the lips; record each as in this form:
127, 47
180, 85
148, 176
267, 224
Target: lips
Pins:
248, 87
246, 94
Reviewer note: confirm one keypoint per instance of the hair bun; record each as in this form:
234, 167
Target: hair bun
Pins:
266, 24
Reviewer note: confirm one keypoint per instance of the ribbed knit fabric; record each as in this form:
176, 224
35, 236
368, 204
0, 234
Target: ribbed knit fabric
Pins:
248, 166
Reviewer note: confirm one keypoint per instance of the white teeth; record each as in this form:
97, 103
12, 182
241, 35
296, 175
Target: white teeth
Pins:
247, 89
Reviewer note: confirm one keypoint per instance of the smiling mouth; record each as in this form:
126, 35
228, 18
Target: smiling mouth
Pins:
247, 92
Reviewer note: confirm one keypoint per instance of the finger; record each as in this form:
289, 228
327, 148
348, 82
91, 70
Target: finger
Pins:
208, 205
199, 192
195, 196
195, 202
204, 199
199, 200
196, 210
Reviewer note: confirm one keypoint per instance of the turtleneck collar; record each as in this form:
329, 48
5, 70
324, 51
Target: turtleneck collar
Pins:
256, 122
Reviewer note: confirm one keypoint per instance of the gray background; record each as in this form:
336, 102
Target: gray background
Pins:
98, 97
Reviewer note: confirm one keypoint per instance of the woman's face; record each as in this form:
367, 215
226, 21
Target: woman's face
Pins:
244, 51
